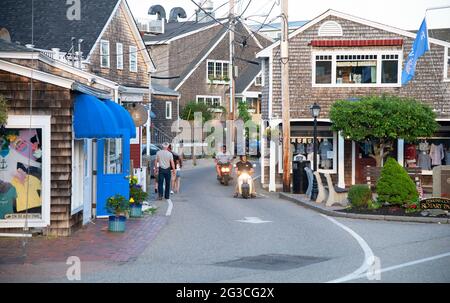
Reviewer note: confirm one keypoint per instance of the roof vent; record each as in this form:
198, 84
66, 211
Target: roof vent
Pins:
149, 26
157, 10
330, 29
175, 13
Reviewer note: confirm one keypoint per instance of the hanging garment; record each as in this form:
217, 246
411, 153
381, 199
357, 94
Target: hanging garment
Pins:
324, 148
437, 154
310, 148
301, 148
424, 146
424, 161
34, 199
447, 158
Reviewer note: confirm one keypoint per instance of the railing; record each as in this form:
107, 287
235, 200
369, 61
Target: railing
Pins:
159, 136
61, 57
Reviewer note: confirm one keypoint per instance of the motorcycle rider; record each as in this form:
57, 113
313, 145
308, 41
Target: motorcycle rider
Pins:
223, 157
244, 165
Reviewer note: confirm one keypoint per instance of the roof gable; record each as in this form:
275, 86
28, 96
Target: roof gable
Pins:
267, 51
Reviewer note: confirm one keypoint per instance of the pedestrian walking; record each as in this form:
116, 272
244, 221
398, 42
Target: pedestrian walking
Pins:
176, 173
165, 165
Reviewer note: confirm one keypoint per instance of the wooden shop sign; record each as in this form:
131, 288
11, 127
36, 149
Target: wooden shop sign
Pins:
435, 203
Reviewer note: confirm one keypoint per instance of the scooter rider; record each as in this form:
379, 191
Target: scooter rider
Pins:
244, 165
223, 157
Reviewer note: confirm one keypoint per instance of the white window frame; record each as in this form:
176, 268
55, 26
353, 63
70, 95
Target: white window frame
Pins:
78, 173
206, 97
119, 55
44, 123
133, 54
105, 43
221, 62
446, 64
334, 53
260, 75
168, 107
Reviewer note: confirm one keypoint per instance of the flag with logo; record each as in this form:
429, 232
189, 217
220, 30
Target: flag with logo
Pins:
420, 46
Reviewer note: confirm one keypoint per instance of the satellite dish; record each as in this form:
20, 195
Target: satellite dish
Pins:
139, 114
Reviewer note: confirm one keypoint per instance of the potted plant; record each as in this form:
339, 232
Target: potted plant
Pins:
118, 205
137, 197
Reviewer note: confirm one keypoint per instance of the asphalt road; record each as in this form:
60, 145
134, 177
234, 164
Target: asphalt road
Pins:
205, 241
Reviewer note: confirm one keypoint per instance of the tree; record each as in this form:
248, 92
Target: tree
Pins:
193, 107
395, 186
243, 111
383, 120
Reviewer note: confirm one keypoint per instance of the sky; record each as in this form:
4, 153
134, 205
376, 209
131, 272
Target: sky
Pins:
405, 14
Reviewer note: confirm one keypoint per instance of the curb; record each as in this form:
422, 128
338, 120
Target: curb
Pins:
333, 213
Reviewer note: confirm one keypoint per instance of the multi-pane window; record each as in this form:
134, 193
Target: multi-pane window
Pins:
357, 69
119, 55
447, 64
218, 71
133, 58
259, 80
209, 100
323, 69
389, 68
104, 53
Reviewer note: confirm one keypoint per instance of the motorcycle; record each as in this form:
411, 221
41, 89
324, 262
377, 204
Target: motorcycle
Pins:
245, 184
226, 173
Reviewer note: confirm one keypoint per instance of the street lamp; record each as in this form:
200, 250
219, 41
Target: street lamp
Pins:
315, 112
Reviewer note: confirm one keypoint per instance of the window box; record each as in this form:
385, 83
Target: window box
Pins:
218, 72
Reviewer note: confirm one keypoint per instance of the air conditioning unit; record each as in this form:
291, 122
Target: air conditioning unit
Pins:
151, 26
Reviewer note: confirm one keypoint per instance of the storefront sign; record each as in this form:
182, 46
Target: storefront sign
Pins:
435, 203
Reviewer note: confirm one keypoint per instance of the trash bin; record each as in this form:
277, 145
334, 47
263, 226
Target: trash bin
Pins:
299, 177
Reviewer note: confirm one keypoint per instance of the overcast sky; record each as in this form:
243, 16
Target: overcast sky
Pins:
406, 14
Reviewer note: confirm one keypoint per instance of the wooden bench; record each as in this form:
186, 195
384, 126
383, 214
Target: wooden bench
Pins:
321, 188
336, 195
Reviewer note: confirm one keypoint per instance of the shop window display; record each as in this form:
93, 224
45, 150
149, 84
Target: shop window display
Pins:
428, 153
20, 173
304, 149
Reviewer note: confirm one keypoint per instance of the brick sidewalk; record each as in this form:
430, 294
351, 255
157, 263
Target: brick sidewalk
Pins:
91, 243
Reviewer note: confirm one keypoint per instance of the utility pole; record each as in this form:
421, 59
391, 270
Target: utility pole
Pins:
232, 116
285, 97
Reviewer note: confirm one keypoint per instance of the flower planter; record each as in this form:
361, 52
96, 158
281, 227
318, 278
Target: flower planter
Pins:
136, 211
117, 223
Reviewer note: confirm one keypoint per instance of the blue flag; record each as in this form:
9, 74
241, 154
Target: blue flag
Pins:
420, 46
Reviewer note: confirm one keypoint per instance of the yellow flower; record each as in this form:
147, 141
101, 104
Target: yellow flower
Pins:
131, 200
12, 138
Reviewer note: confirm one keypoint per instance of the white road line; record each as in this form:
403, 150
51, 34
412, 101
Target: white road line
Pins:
169, 209
407, 264
368, 254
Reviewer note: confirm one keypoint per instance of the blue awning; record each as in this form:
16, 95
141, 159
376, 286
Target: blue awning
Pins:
93, 119
122, 117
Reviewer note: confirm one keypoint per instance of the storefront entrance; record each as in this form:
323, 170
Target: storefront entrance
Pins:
113, 167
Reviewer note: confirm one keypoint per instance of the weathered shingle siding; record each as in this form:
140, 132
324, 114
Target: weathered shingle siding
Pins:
265, 91
159, 108
56, 102
426, 86
120, 31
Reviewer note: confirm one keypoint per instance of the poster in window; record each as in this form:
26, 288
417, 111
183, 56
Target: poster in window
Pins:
20, 174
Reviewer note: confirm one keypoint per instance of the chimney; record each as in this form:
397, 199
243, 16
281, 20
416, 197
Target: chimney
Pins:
208, 7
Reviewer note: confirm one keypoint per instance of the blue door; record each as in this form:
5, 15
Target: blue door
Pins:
113, 167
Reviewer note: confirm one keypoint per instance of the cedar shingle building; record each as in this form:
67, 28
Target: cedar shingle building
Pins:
336, 56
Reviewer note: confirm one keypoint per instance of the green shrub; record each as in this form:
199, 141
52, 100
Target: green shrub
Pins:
395, 186
360, 196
